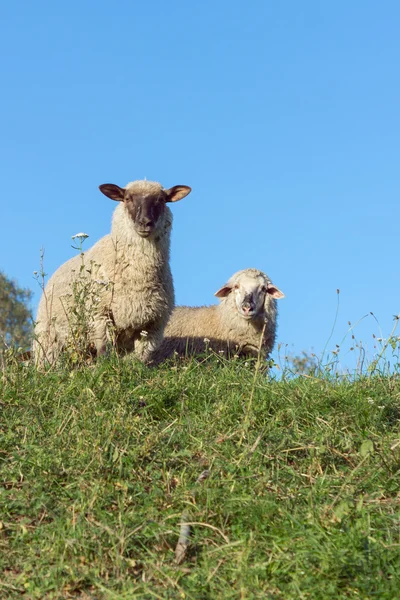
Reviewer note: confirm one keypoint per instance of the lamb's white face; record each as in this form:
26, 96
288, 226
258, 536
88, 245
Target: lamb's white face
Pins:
249, 296
250, 289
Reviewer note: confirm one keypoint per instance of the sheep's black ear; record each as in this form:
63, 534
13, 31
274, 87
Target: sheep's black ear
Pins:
112, 191
177, 192
224, 291
275, 292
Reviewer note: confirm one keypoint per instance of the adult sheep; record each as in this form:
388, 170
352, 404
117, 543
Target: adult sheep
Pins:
133, 287
247, 310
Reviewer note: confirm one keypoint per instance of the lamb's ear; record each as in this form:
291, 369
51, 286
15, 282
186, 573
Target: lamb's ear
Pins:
177, 192
224, 291
112, 191
275, 292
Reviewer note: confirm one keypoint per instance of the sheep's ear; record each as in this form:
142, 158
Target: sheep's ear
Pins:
275, 292
224, 291
112, 191
177, 192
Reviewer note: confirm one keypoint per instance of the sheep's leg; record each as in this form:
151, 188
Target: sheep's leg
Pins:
147, 343
100, 336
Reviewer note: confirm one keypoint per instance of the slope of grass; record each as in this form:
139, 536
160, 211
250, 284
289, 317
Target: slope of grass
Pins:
98, 465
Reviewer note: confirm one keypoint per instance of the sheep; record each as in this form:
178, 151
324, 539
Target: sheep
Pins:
133, 281
247, 310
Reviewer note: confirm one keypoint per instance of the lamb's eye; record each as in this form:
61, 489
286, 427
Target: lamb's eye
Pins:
236, 287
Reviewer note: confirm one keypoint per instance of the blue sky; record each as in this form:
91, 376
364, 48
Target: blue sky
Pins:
283, 118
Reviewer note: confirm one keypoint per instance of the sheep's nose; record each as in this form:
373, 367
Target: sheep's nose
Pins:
247, 307
147, 223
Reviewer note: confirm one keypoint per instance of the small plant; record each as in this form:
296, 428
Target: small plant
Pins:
393, 342
82, 306
40, 277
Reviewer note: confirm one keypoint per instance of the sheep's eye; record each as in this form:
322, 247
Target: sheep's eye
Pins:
236, 287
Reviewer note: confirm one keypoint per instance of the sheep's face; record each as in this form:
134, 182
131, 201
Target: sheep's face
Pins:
145, 211
251, 292
145, 202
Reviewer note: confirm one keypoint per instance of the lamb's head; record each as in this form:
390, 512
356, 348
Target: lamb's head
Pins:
252, 291
145, 202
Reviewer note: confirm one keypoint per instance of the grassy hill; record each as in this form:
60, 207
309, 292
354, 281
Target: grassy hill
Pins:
100, 464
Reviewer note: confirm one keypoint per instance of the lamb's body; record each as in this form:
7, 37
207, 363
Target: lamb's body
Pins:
133, 283
226, 328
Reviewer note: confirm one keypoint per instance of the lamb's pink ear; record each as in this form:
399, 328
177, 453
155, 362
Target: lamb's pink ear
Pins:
275, 292
177, 192
224, 291
112, 191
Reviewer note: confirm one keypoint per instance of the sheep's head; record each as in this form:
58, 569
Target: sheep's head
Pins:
145, 202
252, 290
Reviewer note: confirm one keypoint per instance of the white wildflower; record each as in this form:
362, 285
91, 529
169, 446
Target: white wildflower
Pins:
144, 334
80, 236
371, 401
206, 341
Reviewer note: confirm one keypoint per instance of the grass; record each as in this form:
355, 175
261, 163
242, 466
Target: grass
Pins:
99, 463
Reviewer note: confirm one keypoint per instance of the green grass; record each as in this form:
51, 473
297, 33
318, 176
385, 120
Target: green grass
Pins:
98, 464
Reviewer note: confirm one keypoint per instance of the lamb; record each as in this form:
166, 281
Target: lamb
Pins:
134, 287
247, 310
